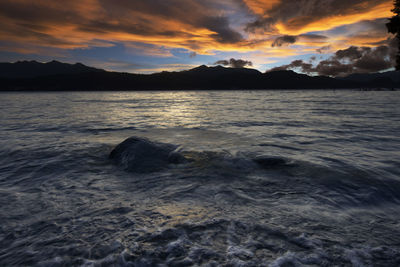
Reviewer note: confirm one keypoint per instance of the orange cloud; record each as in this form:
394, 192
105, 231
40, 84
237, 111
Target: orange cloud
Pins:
260, 7
81, 24
306, 24
154, 27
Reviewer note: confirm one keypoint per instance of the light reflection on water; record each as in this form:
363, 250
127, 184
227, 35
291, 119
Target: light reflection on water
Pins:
63, 202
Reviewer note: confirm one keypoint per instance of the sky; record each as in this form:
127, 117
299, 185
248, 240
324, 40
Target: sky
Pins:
317, 37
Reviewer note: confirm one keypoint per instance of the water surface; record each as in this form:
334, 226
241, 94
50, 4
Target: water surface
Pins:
334, 201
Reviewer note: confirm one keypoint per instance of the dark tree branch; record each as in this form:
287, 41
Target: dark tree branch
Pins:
394, 27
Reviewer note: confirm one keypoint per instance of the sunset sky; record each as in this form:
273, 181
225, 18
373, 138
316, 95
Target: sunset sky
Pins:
327, 37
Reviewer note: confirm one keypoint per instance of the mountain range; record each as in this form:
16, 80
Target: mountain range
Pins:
54, 75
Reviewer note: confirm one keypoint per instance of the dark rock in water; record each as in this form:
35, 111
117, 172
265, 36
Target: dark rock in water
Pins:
142, 155
270, 162
176, 158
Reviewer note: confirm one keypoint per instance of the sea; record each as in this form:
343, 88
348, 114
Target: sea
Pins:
268, 178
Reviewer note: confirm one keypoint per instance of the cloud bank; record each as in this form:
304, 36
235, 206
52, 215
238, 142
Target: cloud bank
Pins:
351, 60
259, 30
234, 63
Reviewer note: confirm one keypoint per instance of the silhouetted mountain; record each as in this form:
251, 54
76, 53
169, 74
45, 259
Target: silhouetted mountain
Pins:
288, 79
199, 78
30, 69
368, 77
219, 70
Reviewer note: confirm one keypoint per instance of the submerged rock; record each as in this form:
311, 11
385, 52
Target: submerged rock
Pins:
142, 155
270, 162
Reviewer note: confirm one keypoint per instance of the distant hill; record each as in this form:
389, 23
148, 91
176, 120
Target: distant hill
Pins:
30, 69
368, 77
60, 76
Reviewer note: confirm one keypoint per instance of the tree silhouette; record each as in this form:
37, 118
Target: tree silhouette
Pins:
394, 27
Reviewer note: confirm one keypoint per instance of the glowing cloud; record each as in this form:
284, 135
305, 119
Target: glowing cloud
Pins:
155, 28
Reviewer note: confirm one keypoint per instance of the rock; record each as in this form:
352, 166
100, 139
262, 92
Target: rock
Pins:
142, 155
270, 162
176, 158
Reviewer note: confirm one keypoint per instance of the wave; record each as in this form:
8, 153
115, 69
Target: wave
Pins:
217, 242
338, 185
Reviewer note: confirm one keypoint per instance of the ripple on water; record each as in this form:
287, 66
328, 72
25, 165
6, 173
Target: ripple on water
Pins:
271, 178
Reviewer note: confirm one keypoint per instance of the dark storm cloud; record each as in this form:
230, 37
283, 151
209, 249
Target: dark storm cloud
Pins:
234, 63
350, 60
305, 67
266, 24
374, 60
286, 39
224, 33
313, 37
32, 13
291, 39
359, 60
333, 67
352, 53
323, 49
